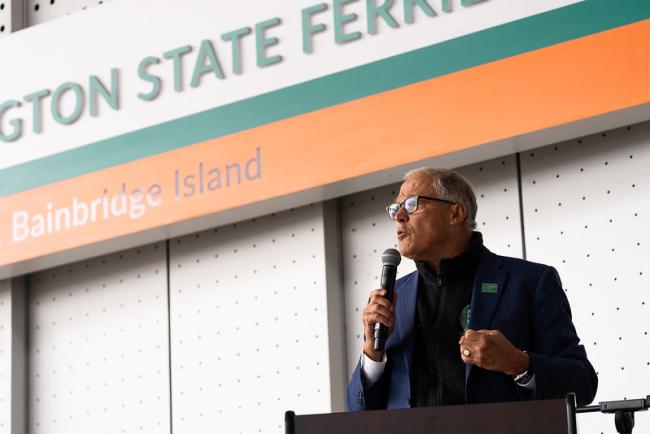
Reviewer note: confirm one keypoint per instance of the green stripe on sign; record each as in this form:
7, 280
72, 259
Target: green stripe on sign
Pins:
549, 28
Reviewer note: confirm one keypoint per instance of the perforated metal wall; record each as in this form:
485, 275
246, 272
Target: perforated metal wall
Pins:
98, 345
367, 231
5, 357
5, 17
249, 324
586, 210
39, 11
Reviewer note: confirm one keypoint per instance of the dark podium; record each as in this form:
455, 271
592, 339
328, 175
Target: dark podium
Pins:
529, 417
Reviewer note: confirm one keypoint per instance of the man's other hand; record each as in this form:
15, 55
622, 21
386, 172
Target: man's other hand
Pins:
489, 349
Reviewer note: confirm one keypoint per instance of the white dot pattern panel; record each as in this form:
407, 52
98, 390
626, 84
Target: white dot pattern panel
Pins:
367, 232
5, 357
98, 345
5, 17
249, 324
586, 208
39, 11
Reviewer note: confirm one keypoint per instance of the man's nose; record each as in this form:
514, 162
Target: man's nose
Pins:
401, 215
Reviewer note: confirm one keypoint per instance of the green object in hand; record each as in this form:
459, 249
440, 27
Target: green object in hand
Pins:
464, 317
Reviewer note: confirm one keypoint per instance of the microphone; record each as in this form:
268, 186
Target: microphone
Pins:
390, 259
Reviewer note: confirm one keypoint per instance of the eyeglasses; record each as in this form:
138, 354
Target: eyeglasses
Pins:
410, 205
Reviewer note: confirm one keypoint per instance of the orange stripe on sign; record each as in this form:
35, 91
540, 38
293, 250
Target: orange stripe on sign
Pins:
553, 86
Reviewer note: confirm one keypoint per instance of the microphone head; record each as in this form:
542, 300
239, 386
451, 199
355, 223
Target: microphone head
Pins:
391, 257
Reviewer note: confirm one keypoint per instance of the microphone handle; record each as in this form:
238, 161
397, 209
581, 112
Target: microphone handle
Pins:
388, 274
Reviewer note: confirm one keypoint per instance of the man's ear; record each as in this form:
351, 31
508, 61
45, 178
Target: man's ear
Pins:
458, 214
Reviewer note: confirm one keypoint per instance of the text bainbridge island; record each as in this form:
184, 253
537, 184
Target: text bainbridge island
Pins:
134, 202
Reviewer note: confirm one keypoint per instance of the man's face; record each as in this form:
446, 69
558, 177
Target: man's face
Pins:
421, 233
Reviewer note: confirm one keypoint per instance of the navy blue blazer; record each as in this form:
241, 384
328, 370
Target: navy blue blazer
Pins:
528, 306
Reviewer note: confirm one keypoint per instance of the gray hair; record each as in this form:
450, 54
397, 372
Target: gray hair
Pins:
451, 186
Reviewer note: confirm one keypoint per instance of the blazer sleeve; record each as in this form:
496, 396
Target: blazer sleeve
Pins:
558, 360
361, 397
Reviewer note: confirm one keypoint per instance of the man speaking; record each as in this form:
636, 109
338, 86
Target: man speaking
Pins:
468, 326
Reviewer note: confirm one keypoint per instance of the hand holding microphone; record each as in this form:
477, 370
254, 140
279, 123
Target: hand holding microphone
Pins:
379, 314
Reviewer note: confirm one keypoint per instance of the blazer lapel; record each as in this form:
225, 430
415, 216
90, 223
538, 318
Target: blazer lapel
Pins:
489, 284
405, 318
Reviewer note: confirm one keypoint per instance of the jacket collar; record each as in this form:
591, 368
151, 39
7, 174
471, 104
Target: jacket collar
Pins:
455, 268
